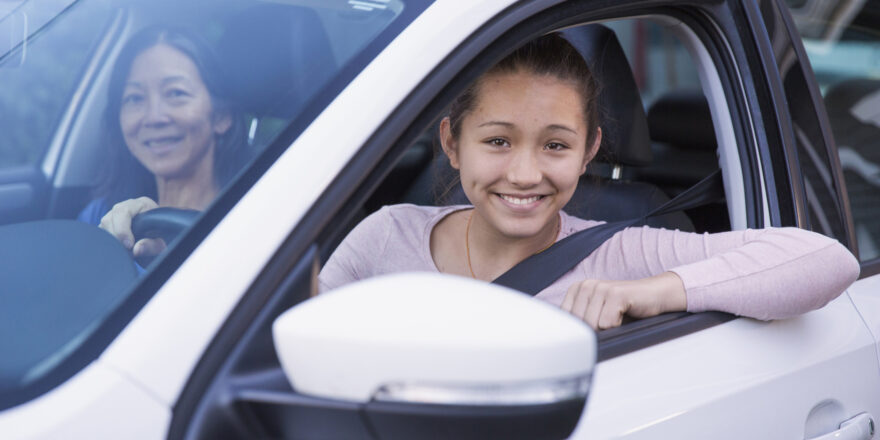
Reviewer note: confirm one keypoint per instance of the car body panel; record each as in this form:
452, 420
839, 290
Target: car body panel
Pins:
763, 372
98, 402
864, 295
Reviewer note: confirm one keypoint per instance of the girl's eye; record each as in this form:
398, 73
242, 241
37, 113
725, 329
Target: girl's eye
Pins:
555, 146
498, 142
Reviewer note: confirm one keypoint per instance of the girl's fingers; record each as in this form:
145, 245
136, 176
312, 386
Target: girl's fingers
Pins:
584, 299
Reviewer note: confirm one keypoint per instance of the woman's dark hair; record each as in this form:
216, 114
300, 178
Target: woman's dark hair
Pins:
125, 177
550, 55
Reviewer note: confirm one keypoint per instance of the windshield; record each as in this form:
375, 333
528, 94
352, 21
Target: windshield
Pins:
150, 104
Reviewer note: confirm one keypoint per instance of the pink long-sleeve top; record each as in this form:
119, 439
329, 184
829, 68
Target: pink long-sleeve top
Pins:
760, 273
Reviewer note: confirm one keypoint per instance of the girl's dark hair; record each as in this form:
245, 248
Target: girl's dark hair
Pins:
125, 177
549, 55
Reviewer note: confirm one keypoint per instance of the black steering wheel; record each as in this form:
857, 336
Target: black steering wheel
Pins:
164, 223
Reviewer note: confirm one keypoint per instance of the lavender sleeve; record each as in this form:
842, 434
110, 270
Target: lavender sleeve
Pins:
761, 273
351, 261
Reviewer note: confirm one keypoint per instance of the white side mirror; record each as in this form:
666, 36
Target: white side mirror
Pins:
438, 340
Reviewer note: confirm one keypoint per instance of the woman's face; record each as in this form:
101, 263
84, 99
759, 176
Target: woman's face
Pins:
166, 116
521, 151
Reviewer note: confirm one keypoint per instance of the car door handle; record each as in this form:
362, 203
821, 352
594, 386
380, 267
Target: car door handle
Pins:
860, 427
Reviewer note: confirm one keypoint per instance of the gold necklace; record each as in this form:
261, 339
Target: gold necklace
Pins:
467, 245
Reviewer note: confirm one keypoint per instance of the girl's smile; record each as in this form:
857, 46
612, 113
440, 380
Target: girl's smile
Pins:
520, 153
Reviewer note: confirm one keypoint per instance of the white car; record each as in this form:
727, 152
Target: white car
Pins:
220, 336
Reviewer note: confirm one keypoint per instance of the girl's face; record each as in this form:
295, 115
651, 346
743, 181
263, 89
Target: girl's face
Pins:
521, 151
166, 116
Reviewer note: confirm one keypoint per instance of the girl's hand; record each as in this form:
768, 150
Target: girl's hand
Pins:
602, 304
118, 223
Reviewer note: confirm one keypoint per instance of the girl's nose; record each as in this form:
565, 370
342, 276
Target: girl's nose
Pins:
524, 170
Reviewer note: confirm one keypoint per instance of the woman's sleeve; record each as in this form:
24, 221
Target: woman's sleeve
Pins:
761, 273
93, 212
351, 260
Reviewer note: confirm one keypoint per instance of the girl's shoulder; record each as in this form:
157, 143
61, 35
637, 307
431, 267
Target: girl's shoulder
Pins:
409, 216
403, 220
570, 224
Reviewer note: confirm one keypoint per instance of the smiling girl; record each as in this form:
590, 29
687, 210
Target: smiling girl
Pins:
521, 136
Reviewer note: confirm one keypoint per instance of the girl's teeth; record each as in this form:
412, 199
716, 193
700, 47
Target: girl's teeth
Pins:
520, 201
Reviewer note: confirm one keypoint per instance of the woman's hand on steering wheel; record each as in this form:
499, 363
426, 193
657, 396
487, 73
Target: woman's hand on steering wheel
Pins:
118, 223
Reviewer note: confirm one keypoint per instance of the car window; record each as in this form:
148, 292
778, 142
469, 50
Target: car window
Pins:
843, 45
675, 132
141, 91
38, 80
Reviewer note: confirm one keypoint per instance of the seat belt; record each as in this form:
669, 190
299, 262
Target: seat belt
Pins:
538, 271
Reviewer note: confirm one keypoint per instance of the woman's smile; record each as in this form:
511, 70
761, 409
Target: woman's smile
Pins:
163, 144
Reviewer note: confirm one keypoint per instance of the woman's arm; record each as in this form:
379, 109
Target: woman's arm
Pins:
765, 274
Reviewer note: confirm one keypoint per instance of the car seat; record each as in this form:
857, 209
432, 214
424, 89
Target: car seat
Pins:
277, 56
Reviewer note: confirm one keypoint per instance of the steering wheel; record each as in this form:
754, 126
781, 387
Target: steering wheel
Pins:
164, 223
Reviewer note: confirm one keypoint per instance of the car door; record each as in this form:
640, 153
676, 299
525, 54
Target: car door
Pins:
793, 378
685, 377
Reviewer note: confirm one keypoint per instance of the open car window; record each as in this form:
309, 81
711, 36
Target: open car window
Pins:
642, 162
281, 63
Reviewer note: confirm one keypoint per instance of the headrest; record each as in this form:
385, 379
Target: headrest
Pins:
625, 139
277, 56
682, 118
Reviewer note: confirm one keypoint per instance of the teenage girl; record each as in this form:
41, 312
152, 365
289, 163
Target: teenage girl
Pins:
520, 137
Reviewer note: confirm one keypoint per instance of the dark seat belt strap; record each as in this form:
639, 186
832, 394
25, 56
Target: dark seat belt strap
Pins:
535, 273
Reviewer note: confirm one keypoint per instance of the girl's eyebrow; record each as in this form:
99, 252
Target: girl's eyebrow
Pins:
510, 125
561, 127
490, 123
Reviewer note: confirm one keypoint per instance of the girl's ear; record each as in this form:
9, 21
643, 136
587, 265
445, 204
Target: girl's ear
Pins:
447, 142
592, 150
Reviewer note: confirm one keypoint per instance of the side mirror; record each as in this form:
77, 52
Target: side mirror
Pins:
437, 355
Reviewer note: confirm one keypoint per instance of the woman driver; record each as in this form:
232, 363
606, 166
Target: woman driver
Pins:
521, 136
173, 139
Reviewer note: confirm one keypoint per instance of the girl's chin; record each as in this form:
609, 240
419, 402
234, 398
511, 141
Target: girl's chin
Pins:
521, 228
